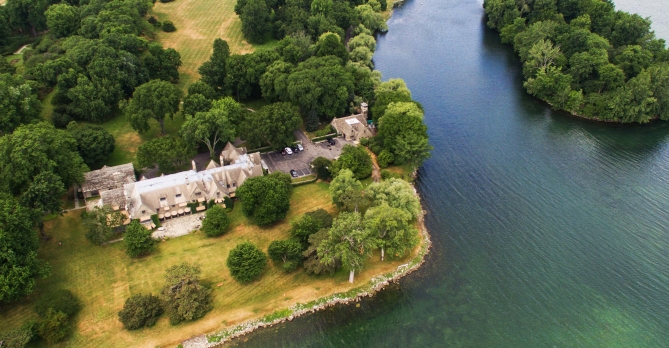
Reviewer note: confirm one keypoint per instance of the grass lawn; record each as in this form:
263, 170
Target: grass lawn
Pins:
103, 277
198, 23
47, 108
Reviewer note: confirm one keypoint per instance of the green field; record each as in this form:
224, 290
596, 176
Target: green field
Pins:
198, 23
103, 277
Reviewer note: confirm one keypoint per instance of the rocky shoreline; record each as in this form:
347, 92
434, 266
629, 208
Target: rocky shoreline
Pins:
354, 295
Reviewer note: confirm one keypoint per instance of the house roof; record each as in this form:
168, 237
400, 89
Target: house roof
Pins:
108, 178
354, 125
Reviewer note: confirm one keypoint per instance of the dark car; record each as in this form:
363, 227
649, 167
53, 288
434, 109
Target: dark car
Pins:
293, 173
295, 149
332, 141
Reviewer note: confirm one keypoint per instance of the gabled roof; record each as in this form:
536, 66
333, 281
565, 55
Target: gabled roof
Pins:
108, 178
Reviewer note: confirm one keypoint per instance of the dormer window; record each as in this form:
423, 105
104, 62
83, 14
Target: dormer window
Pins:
178, 195
198, 193
234, 184
163, 199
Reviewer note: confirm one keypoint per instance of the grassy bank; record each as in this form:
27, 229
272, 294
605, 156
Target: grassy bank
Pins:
103, 277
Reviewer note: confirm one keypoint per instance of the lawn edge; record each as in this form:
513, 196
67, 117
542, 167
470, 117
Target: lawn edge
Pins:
369, 289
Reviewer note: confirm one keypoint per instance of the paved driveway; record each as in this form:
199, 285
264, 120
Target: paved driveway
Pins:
301, 161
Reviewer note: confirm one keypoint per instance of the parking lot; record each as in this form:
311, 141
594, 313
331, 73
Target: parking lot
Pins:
301, 161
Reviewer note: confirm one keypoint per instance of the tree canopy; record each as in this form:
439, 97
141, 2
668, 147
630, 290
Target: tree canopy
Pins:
354, 158
216, 222
138, 240
170, 154
212, 127
183, 296
272, 125
246, 262
266, 199
156, 99
18, 103
346, 190
94, 143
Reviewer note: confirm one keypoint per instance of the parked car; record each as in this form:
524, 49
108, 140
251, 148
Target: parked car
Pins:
288, 151
299, 147
331, 141
293, 173
296, 149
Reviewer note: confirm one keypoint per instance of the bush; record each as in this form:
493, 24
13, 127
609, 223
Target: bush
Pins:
364, 141
322, 167
246, 262
138, 240
323, 132
229, 204
216, 222
140, 311
61, 300
266, 199
169, 27
286, 251
53, 327
60, 120
289, 266
385, 158
152, 20
386, 175
18, 338
155, 220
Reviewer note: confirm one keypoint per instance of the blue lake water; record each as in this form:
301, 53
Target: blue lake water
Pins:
548, 231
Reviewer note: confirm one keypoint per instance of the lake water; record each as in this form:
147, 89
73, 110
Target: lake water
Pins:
548, 231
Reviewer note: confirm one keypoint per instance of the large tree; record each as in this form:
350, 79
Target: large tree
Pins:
346, 190
354, 158
396, 193
18, 103
403, 132
156, 99
266, 199
216, 222
272, 125
169, 153
140, 311
162, 63
211, 127
28, 14
138, 240
62, 19
246, 262
391, 91
183, 296
287, 252
349, 242
94, 143
101, 222
213, 71
45, 193
255, 16
392, 227
36, 148
19, 265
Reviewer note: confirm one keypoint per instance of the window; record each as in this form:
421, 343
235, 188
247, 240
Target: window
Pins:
234, 184
198, 193
143, 211
163, 199
178, 195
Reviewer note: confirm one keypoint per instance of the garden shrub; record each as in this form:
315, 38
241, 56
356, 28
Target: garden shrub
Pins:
385, 158
246, 262
61, 300
140, 311
169, 27
53, 327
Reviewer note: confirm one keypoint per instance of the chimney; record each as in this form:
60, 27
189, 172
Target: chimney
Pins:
194, 166
363, 108
221, 159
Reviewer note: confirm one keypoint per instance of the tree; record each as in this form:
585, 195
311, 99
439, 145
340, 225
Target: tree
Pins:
138, 240
312, 263
19, 265
213, 71
211, 127
61, 300
392, 228
194, 103
94, 143
274, 82
36, 148
236, 79
140, 311
216, 222
100, 223
255, 16
304, 227
28, 14
200, 87
363, 40
329, 44
155, 99
288, 252
347, 241
53, 327
62, 19
162, 63
322, 167
45, 193
393, 90
184, 298
273, 125
246, 262
402, 124
354, 158
18, 103
346, 190
370, 19
168, 153
395, 193
266, 199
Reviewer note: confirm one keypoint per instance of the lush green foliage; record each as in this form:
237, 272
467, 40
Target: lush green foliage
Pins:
100, 223
169, 153
584, 57
246, 262
183, 296
44, 194
266, 199
272, 125
18, 338
155, 99
137, 240
18, 103
322, 167
212, 127
346, 190
395, 193
403, 133
288, 252
309, 224
213, 72
54, 326
94, 143
61, 300
216, 222
140, 311
393, 229
354, 158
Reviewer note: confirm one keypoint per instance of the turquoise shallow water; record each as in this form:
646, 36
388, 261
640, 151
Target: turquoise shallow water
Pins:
548, 231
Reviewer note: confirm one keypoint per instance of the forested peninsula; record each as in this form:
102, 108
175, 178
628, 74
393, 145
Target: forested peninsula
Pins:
147, 199
586, 58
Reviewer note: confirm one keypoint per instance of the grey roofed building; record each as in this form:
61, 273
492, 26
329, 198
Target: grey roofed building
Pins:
174, 191
353, 127
107, 178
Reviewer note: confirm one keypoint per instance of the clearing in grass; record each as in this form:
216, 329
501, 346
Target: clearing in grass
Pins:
104, 277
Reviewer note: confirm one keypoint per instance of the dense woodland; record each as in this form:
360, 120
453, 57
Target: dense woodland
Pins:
584, 57
97, 60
